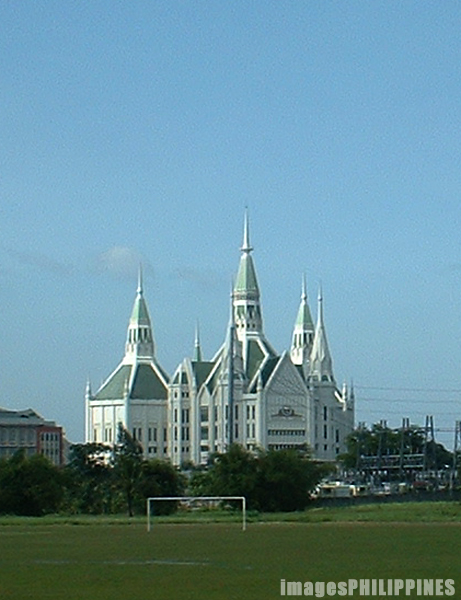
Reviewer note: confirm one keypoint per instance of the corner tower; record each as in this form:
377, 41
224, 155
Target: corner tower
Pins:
135, 394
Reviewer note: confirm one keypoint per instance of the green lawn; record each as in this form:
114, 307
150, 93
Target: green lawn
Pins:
55, 559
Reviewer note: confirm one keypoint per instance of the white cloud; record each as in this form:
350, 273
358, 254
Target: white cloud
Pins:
36, 260
121, 261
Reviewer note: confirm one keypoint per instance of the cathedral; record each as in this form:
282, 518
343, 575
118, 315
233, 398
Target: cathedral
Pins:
246, 394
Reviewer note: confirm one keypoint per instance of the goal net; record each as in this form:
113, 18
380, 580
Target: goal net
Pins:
190, 500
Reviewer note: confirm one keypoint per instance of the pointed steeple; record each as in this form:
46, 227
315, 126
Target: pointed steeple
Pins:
321, 366
197, 357
139, 341
303, 332
246, 303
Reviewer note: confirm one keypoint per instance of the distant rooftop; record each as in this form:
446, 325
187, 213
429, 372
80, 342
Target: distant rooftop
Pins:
22, 417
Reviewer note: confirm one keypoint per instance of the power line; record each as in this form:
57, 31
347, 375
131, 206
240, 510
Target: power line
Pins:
403, 389
415, 400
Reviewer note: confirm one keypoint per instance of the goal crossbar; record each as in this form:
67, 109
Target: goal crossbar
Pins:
242, 499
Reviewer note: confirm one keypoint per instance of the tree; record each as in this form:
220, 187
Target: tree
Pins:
30, 486
128, 467
89, 479
160, 478
270, 481
285, 480
233, 473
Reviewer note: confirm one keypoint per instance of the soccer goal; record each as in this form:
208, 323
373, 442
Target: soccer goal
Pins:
195, 499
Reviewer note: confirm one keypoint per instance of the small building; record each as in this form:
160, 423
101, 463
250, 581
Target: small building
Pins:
27, 430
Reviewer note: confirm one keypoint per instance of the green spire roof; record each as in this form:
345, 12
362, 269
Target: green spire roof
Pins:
246, 277
321, 363
140, 339
246, 280
140, 313
304, 318
197, 348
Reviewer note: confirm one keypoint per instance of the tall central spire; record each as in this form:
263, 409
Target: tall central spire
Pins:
139, 341
246, 297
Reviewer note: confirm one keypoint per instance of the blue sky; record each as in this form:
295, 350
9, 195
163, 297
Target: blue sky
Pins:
139, 131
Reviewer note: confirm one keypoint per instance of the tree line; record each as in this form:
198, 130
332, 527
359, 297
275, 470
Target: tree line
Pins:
99, 479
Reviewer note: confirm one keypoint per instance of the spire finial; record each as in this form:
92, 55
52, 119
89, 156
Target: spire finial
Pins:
304, 288
320, 303
246, 246
197, 347
139, 290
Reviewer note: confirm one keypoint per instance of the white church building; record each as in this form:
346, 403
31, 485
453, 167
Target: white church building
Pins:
246, 394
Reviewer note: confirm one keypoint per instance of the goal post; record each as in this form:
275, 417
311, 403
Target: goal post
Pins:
150, 512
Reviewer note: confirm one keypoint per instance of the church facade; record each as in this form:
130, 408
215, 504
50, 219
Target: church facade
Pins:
246, 394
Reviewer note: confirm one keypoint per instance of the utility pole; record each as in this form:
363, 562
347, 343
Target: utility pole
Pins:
230, 379
456, 450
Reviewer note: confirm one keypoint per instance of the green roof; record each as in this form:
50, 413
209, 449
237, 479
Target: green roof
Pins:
246, 277
304, 316
140, 312
147, 385
201, 371
255, 356
266, 372
114, 388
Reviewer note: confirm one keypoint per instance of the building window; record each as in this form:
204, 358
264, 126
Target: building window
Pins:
204, 413
325, 413
325, 432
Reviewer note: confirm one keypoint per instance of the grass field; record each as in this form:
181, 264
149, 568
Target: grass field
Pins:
95, 559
